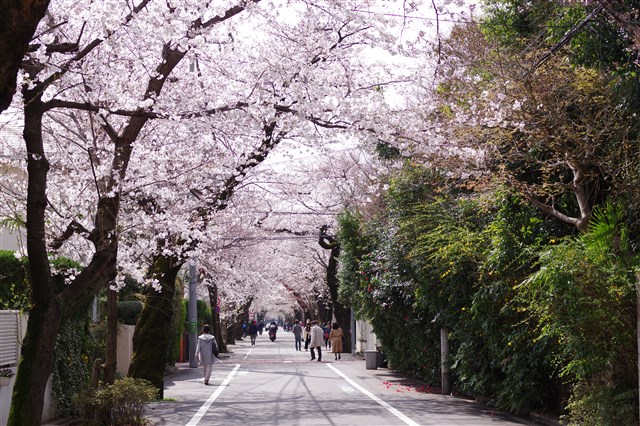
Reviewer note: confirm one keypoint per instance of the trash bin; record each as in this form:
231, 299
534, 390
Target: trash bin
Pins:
371, 359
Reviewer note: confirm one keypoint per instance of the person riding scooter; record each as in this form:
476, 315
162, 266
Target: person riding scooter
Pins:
273, 328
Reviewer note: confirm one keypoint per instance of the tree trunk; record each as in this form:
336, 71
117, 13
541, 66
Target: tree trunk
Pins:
151, 339
343, 317
216, 326
36, 365
18, 22
340, 312
638, 333
231, 333
52, 305
112, 337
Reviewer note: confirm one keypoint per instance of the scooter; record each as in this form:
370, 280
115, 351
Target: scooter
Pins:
272, 335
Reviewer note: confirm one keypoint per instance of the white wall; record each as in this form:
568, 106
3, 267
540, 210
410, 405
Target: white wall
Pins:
8, 240
366, 339
5, 400
125, 348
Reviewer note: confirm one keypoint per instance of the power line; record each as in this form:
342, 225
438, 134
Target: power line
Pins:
294, 213
457, 21
292, 237
312, 156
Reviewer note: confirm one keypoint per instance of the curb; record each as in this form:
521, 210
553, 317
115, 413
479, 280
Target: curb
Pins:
546, 419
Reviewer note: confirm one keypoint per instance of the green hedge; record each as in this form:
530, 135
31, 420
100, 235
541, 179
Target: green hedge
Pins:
14, 288
538, 318
72, 369
204, 312
177, 324
129, 311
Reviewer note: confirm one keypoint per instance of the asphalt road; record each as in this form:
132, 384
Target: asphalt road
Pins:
272, 384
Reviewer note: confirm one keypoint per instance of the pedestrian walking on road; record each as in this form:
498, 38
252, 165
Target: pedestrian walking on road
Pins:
297, 333
316, 341
206, 351
336, 340
326, 329
253, 332
307, 334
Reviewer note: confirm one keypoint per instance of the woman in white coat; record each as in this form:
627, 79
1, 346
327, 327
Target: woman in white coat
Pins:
205, 349
317, 340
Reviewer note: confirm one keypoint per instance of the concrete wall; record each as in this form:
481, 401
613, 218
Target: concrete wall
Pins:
366, 339
125, 348
5, 400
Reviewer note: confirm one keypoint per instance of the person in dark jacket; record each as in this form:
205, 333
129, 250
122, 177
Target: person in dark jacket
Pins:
307, 334
297, 333
253, 332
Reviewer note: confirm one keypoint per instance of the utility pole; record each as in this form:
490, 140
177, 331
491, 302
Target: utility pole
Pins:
193, 314
444, 361
353, 332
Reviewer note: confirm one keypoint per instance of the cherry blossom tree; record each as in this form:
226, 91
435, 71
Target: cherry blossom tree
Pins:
292, 113
159, 113
52, 306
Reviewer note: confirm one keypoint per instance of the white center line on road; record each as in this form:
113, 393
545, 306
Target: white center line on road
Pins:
392, 410
201, 412
247, 355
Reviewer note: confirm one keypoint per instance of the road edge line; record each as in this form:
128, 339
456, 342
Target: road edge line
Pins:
386, 405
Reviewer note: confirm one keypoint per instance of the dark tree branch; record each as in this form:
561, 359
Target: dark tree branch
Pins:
73, 228
566, 38
87, 106
326, 241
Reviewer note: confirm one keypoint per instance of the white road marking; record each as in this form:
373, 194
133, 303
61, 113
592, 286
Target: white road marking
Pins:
201, 412
389, 408
247, 355
347, 389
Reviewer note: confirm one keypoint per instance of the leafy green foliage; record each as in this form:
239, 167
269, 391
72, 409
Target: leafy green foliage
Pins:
72, 368
132, 290
74, 345
204, 312
499, 356
14, 287
177, 323
123, 402
533, 313
129, 311
583, 296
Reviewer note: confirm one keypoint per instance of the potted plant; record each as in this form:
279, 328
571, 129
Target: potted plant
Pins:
5, 376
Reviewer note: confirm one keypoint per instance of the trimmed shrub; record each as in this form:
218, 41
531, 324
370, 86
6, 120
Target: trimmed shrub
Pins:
129, 311
122, 403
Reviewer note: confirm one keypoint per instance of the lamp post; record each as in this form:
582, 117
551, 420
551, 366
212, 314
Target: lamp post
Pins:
193, 314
